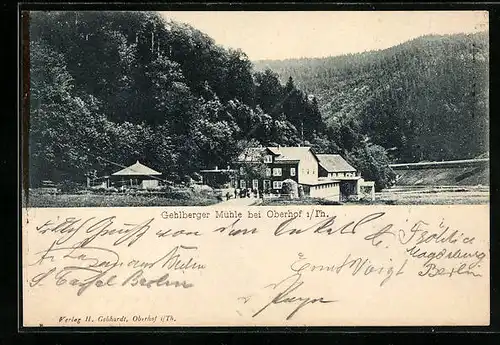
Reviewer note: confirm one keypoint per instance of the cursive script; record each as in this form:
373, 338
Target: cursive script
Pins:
94, 228
326, 226
85, 267
287, 295
361, 266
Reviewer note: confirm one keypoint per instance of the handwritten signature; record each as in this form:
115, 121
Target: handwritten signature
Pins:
355, 265
286, 295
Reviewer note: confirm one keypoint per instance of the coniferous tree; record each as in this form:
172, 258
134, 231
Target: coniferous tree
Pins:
425, 99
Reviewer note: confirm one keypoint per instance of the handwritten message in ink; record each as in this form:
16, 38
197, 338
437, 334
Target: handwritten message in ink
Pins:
265, 266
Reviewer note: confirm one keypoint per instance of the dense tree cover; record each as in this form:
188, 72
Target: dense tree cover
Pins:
374, 162
426, 99
110, 88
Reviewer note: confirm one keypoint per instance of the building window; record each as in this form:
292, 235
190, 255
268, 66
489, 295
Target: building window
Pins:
242, 170
277, 184
268, 172
307, 171
268, 159
255, 184
292, 172
243, 184
277, 172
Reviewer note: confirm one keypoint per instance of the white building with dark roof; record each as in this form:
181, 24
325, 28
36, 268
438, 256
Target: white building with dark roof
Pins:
299, 164
327, 176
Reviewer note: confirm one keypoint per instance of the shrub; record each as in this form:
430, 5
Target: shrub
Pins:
180, 194
187, 180
142, 192
68, 186
196, 177
98, 189
173, 178
202, 189
83, 191
205, 188
165, 188
373, 163
290, 189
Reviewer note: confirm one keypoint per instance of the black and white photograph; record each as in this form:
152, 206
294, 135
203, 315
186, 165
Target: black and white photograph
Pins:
243, 108
243, 168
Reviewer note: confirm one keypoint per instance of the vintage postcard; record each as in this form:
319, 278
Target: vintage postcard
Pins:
241, 168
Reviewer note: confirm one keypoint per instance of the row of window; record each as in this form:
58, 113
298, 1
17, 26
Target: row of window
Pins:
279, 184
279, 172
324, 186
267, 183
273, 172
293, 172
341, 174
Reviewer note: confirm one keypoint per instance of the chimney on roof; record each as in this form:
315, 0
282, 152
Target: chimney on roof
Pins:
216, 167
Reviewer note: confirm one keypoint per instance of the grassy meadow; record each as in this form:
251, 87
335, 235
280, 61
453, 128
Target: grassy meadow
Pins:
34, 199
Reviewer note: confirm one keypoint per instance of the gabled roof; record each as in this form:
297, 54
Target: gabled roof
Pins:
281, 154
334, 163
291, 153
137, 169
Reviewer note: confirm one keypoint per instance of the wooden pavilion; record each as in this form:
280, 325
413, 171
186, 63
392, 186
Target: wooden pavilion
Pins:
137, 176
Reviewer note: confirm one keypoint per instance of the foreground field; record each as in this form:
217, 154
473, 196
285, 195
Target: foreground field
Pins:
94, 200
434, 195
394, 196
412, 195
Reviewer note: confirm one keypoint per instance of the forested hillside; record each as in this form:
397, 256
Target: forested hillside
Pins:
426, 99
109, 88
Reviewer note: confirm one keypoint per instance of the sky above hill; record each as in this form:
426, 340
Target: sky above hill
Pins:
295, 34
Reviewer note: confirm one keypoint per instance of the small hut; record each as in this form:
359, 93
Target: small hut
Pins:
137, 176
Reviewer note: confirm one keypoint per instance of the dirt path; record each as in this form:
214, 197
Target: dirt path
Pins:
241, 202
